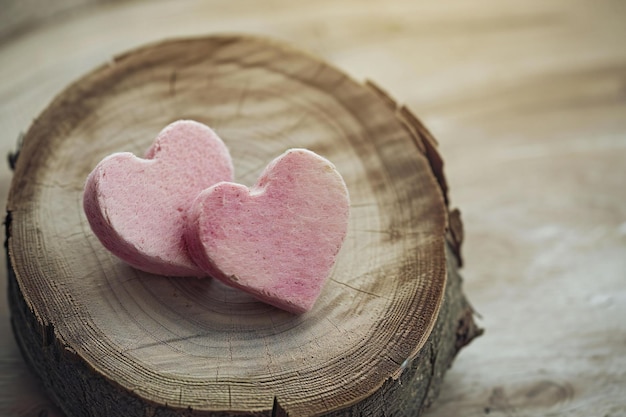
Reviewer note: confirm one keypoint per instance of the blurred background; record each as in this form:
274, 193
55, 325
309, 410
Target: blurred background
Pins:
528, 101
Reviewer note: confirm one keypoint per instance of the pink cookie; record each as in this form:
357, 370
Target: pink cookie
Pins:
137, 207
278, 240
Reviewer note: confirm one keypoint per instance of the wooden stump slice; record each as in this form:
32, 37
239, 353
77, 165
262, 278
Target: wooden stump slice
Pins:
108, 340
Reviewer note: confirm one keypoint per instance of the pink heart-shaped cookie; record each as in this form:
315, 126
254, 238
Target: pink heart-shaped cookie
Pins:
137, 207
279, 239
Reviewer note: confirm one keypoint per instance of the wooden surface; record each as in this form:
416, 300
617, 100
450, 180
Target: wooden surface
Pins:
527, 101
108, 340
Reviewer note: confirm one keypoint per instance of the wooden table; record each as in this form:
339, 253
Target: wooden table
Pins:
528, 101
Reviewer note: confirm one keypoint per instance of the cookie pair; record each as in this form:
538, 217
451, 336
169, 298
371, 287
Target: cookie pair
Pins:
178, 213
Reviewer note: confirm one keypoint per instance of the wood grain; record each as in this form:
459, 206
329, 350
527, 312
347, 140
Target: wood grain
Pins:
526, 99
130, 343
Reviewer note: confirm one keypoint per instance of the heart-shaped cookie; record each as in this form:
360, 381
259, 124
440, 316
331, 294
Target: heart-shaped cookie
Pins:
279, 239
137, 207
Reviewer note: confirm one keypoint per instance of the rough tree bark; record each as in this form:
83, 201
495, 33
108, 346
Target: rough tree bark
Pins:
108, 340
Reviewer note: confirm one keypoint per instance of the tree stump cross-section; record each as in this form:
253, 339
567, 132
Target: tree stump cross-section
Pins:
108, 340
